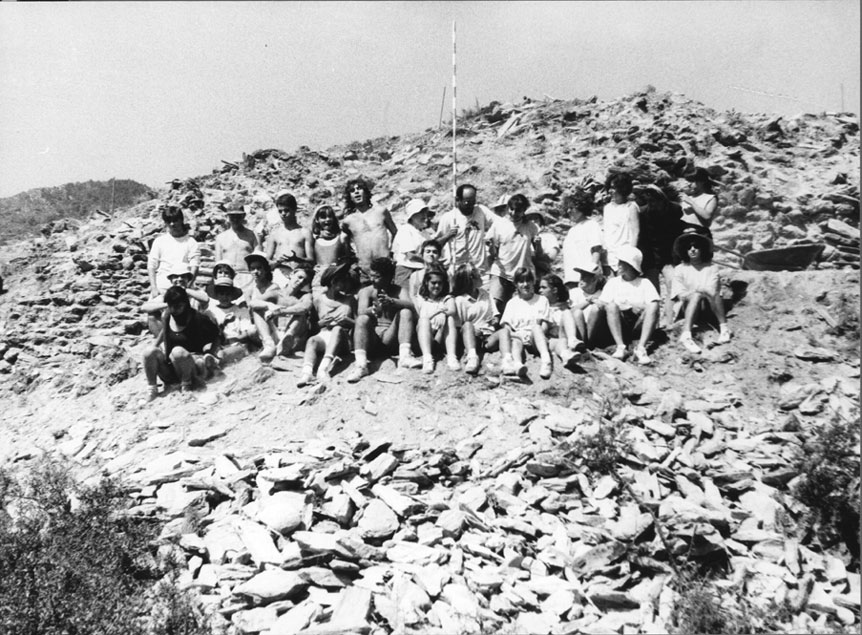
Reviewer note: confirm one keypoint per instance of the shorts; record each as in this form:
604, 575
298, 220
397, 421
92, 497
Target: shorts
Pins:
500, 289
524, 335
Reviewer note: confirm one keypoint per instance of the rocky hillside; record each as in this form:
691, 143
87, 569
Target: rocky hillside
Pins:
454, 504
22, 215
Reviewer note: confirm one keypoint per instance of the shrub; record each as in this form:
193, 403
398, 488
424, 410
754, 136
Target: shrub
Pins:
602, 451
72, 563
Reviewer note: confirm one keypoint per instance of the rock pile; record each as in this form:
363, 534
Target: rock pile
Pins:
336, 536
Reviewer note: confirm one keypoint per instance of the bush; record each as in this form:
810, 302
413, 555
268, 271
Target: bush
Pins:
829, 484
71, 563
602, 451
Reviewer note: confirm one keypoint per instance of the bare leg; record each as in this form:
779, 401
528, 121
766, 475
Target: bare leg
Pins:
450, 332
650, 321
468, 335
568, 331
517, 350
667, 275
155, 365
267, 333
593, 318
184, 365
716, 303
615, 324
692, 308
425, 337
580, 320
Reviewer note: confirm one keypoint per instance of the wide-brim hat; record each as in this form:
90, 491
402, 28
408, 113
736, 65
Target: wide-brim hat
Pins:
258, 256
334, 272
181, 269
632, 256
417, 206
225, 263
689, 236
224, 284
543, 218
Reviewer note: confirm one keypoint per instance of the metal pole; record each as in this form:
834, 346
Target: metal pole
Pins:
442, 105
454, 113
842, 96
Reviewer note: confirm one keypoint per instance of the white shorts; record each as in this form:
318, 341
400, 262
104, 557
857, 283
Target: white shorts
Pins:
524, 335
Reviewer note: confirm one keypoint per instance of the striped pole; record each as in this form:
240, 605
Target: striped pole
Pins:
454, 113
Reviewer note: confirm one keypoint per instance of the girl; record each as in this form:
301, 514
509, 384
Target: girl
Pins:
335, 309
583, 242
527, 317
620, 220
696, 281
561, 332
328, 243
480, 320
587, 311
436, 309
699, 209
262, 292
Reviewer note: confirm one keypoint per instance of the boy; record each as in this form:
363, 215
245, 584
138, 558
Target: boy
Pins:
287, 242
630, 301
234, 244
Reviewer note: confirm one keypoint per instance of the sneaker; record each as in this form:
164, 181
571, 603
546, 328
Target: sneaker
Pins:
453, 363
723, 337
545, 370
186, 387
211, 365
152, 393
619, 352
267, 353
428, 366
570, 359
689, 344
306, 378
408, 361
472, 365
359, 371
509, 367
578, 346
641, 355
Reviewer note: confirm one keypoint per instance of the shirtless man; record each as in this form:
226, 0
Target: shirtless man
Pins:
234, 244
368, 227
384, 319
287, 241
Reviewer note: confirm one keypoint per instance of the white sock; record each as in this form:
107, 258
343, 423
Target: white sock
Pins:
361, 356
472, 353
722, 328
686, 335
307, 369
403, 351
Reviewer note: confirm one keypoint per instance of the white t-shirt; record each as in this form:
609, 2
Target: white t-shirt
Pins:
522, 314
514, 246
468, 245
620, 226
578, 245
687, 280
406, 240
688, 215
167, 252
629, 294
481, 311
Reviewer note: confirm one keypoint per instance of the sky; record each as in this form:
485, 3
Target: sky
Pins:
152, 91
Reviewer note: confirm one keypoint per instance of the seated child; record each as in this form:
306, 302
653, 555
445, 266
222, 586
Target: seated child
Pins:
696, 282
260, 294
430, 252
562, 337
156, 308
527, 316
335, 309
234, 321
479, 318
630, 301
436, 309
584, 299
290, 311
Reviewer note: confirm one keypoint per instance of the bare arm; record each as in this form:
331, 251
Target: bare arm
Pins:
365, 306
389, 223
707, 211
634, 224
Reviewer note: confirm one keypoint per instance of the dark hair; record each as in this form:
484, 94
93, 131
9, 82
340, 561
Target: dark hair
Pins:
318, 214
522, 274
434, 270
557, 284
171, 212
519, 200
462, 280
176, 295
622, 183
431, 242
581, 200
384, 266
348, 202
702, 176
288, 200
705, 247
459, 193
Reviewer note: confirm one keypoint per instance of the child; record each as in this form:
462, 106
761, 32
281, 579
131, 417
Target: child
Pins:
630, 301
288, 242
436, 310
479, 318
290, 311
407, 244
329, 245
584, 299
562, 338
527, 317
234, 322
695, 282
431, 251
335, 310
263, 291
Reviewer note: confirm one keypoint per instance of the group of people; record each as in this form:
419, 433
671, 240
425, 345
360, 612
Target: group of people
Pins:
477, 280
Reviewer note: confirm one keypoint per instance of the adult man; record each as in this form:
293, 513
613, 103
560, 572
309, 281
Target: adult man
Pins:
367, 226
511, 246
178, 354
408, 241
234, 244
462, 230
384, 317
287, 241
171, 249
